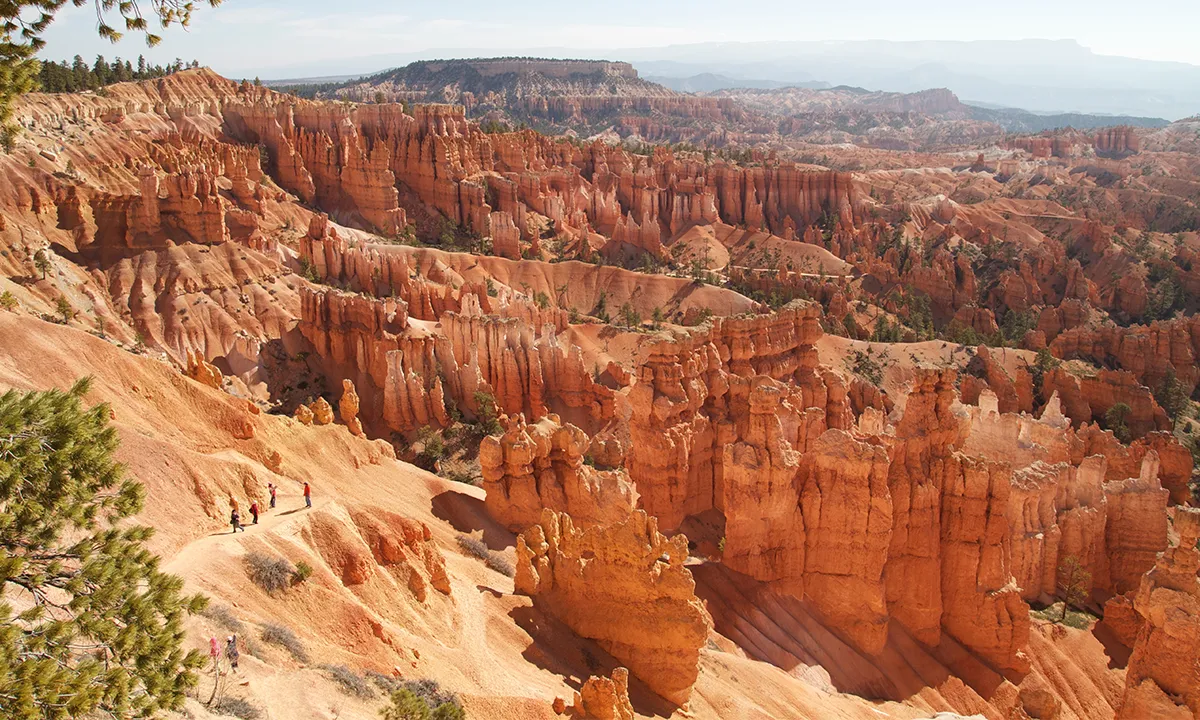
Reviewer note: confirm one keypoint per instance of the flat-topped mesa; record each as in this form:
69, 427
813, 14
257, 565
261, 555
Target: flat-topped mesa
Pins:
624, 586
1163, 676
541, 465
489, 67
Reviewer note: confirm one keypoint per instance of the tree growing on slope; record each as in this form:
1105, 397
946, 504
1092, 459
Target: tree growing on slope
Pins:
1073, 583
88, 623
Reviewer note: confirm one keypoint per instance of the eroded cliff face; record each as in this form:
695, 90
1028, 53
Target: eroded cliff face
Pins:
1163, 678
350, 162
625, 586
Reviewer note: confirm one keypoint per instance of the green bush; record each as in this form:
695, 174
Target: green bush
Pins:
421, 700
303, 572
405, 706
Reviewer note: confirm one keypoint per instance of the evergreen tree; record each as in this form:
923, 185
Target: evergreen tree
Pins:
100, 72
23, 22
1172, 397
41, 261
18, 75
141, 67
100, 627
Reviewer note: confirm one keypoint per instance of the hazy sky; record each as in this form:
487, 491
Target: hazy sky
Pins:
248, 37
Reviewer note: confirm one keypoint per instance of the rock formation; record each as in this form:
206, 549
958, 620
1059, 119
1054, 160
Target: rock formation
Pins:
322, 411
1163, 677
623, 585
203, 371
348, 408
603, 698
304, 414
541, 465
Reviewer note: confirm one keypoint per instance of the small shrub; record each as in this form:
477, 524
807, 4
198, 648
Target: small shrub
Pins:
223, 616
1114, 420
284, 637
386, 683
273, 574
236, 707
405, 706
466, 478
475, 546
448, 711
303, 572
350, 681
429, 691
8, 301
422, 700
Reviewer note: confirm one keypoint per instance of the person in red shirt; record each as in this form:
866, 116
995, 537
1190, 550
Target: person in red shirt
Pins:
254, 511
307, 495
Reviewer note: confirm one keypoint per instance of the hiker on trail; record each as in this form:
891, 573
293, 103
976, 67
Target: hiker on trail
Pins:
254, 511
214, 650
307, 495
271, 487
231, 651
235, 519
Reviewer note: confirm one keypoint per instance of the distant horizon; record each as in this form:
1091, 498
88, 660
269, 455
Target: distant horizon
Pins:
253, 37
1143, 64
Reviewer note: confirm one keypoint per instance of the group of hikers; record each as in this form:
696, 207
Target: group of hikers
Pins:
235, 516
231, 651
235, 519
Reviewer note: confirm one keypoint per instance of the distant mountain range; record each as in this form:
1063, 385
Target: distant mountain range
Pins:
1039, 76
711, 82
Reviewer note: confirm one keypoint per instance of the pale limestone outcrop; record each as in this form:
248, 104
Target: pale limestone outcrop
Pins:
625, 586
